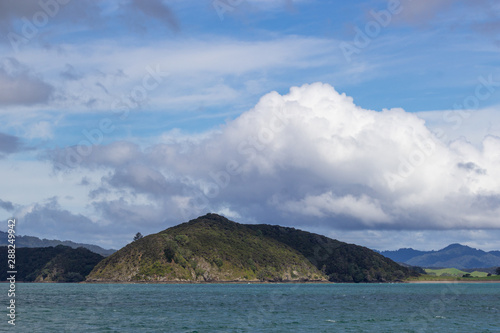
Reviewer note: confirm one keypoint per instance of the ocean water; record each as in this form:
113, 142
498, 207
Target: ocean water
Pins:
254, 308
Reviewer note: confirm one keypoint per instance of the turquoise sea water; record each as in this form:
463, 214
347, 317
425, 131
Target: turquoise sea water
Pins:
254, 308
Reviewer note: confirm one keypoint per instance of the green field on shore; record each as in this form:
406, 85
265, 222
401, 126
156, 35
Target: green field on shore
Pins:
453, 274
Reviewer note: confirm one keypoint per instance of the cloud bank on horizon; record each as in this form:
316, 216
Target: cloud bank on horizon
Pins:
119, 117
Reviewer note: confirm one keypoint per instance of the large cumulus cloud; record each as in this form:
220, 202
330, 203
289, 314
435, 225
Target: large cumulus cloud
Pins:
308, 156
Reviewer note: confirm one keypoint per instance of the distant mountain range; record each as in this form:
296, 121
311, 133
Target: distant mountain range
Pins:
30, 241
453, 256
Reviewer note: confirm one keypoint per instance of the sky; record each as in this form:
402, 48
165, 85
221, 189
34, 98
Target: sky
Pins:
372, 122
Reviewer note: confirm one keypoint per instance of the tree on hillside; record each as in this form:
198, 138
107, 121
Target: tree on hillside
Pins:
138, 236
498, 271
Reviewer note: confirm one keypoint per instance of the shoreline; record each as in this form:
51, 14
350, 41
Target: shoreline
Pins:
262, 282
206, 282
279, 282
455, 281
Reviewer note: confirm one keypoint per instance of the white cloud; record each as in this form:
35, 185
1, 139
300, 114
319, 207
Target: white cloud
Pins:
40, 129
327, 204
188, 75
474, 125
227, 212
313, 155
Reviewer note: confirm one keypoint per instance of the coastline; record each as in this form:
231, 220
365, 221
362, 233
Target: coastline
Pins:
262, 282
206, 282
283, 282
455, 281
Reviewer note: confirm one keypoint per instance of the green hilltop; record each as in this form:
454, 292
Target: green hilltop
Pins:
212, 248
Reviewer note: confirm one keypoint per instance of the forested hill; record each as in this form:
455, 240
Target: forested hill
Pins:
50, 264
341, 262
213, 248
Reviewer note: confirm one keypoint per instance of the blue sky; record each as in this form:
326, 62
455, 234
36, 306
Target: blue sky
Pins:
126, 116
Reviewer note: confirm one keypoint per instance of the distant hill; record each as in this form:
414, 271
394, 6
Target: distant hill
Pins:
213, 248
50, 264
453, 256
402, 255
30, 241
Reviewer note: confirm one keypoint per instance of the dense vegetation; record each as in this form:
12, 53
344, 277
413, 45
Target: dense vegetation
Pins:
51, 264
212, 248
341, 262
